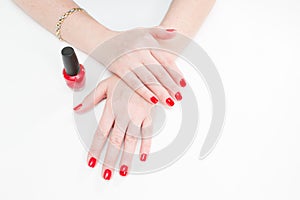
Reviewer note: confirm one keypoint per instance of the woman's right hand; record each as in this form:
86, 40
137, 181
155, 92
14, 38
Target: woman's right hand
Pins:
150, 73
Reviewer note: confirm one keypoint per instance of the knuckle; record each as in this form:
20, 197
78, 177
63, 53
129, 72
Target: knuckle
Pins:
128, 76
147, 132
160, 91
166, 60
149, 79
132, 81
169, 61
146, 76
92, 151
143, 91
173, 87
147, 143
130, 139
147, 135
160, 74
116, 140
102, 131
170, 67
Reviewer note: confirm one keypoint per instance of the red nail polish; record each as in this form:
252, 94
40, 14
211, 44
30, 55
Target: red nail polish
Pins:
123, 170
77, 107
178, 96
182, 83
107, 174
74, 73
170, 102
92, 162
154, 100
143, 157
170, 30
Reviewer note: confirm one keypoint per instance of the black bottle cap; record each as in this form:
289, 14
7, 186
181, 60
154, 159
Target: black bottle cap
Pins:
70, 61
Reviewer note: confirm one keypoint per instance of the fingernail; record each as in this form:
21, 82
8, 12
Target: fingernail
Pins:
107, 174
92, 162
76, 108
123, 170
170, 102
178, 96
170, 30
154, 100
143, 157
182, 83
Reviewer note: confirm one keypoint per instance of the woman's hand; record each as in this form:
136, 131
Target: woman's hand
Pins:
125, 119
151, 73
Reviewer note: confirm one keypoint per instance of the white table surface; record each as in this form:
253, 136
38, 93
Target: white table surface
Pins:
255, 46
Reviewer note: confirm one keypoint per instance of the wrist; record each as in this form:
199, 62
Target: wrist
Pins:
104, 33
84, 32
97, 36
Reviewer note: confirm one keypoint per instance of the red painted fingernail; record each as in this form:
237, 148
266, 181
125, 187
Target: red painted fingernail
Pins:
170, 30
77, 107
182, 83
154, 100
178, 96
107, 174
170, 102
123, 170
143, 157
92, 162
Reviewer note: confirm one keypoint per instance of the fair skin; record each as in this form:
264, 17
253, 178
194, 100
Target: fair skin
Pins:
119, 98
184, 17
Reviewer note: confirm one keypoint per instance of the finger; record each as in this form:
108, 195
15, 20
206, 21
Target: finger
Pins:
92, 99
104, 126
150, 82
163, 77
147, 131
136, 84
130, 143
167, 60
162, 34
115, 142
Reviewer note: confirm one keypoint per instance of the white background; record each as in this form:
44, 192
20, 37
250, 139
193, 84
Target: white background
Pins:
255, 46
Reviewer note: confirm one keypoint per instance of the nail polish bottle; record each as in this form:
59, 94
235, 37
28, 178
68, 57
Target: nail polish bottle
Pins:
74, 73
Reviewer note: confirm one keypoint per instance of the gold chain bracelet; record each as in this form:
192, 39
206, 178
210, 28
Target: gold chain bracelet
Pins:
62, 19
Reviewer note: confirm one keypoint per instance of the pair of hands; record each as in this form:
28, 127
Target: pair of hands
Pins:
141, 79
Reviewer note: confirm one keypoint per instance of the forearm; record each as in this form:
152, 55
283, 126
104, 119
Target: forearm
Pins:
186, 16
79, 29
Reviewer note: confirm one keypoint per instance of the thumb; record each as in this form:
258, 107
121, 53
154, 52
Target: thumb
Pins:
92, 99
162, 34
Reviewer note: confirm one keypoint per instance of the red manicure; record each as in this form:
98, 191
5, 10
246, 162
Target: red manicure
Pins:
107, 174
77, 107
182, 83
170, 30
154, 100
143, 157
178, 96
123, 170
92, 162
170, 102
